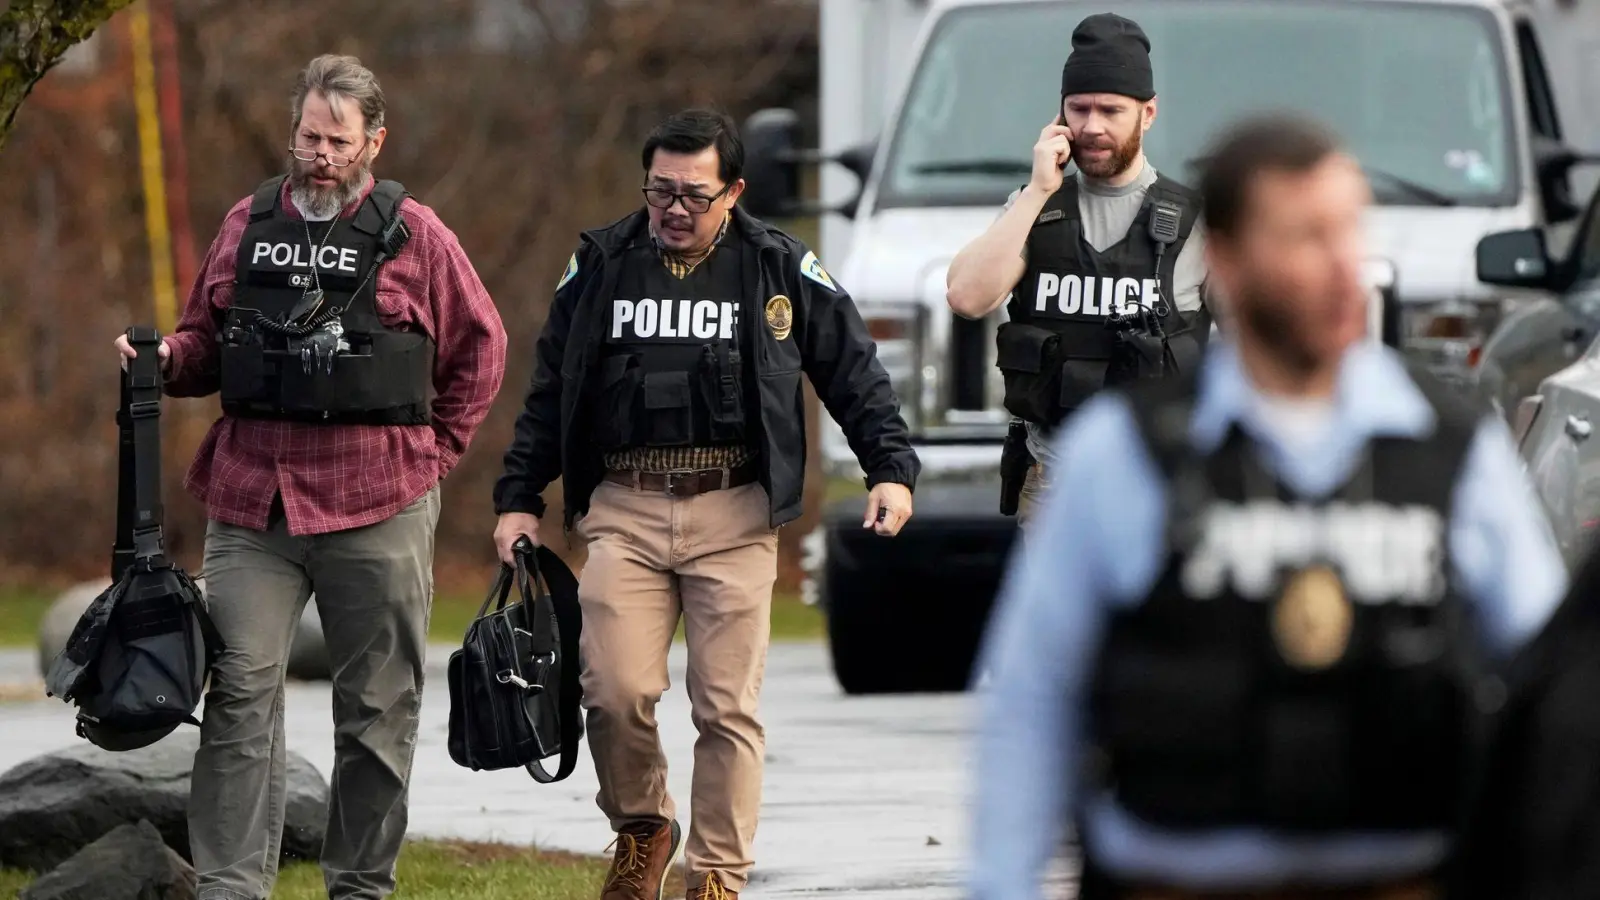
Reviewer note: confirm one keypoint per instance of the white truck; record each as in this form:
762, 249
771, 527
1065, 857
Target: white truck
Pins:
928, 113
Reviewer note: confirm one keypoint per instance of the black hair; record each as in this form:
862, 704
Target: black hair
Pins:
1280, 141
693, 130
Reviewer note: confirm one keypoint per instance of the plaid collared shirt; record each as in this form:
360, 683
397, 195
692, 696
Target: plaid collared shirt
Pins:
334, 477
680, 459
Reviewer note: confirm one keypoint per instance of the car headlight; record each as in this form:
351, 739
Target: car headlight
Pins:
897, 329
1450, 335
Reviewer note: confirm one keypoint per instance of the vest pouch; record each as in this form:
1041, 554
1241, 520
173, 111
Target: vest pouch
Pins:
1174, 728
668, 420
1028, 359
722, 392
384, 372
301, 392
1086, 364
243, 373
620, 377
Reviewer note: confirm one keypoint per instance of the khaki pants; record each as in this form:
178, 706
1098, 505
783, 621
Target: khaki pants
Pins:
1033, 487
374, 588
712, 557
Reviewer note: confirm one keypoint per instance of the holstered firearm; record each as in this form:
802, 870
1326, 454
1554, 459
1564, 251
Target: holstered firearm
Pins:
1015, 461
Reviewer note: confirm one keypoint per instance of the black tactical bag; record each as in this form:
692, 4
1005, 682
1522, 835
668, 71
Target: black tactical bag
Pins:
136, 663
514, 687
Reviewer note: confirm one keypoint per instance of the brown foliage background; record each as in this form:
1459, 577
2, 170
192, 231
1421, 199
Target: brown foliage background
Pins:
519, 121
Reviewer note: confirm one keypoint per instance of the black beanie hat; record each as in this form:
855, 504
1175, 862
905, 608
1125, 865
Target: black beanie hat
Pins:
1110, 55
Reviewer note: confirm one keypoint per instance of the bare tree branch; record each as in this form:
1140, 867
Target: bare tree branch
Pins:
34, 35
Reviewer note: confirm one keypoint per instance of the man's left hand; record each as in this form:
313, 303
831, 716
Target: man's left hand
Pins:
895, 501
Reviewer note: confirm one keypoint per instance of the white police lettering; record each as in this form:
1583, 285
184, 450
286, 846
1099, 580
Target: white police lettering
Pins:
651, 319
1383, 553
298, 256
1091, 295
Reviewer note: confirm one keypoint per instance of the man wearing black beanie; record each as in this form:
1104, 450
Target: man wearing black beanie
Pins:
1096, 299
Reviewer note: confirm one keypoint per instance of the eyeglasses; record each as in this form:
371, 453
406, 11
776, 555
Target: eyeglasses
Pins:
334, 159
661, 198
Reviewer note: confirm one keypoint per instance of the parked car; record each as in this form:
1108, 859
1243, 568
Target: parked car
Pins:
1543, 366
1556, 316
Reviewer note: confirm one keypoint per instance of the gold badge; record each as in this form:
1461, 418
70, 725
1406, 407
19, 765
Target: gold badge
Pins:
780, 316
1312, 620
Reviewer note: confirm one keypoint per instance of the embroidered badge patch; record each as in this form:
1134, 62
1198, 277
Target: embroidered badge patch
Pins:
812, 268
572, 269
780, 316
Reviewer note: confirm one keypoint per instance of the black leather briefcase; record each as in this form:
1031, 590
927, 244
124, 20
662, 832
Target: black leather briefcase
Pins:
514, 690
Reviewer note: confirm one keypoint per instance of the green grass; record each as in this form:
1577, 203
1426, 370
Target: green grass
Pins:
838, 489
447, 870
21, 611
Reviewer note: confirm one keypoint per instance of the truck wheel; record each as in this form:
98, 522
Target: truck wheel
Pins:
881, 647
907, 614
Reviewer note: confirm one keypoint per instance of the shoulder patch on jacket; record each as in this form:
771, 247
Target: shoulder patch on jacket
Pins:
572, 269
812, 268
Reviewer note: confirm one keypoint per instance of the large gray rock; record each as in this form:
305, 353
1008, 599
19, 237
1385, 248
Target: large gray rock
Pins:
56, 804
308, 655
129, 862
62, 617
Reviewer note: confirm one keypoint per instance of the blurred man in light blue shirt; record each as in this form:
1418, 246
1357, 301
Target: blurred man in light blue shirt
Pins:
1295, 380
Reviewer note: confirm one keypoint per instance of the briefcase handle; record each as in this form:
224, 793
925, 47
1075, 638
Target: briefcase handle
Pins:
525, 575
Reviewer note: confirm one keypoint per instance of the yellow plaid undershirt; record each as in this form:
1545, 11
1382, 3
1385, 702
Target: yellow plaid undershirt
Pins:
680, 459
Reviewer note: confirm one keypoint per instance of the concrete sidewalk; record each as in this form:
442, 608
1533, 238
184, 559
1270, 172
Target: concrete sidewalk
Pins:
865, 797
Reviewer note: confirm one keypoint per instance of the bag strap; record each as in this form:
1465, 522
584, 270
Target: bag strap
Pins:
556, 627
139, 510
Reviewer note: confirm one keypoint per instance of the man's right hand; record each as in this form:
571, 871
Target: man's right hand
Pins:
511, 526
1050, 155
163, 353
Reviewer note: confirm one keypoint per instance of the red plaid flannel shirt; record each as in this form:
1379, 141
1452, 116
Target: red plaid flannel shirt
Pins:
334, 477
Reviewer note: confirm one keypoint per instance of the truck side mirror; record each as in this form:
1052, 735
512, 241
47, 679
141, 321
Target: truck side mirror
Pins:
1552, 164
1514, 259
771, 164
772, 160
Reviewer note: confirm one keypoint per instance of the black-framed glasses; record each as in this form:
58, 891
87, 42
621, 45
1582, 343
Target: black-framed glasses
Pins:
337, 160
661, 198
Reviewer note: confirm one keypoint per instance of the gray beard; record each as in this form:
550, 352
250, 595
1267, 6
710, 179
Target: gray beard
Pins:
325, 203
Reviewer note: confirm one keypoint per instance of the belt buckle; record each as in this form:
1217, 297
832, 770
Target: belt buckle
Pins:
673, 479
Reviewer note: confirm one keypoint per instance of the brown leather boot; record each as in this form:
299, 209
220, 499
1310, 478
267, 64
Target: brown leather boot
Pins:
639, 868
712, 889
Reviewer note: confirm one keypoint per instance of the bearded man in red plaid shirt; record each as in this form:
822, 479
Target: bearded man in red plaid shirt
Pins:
356, 353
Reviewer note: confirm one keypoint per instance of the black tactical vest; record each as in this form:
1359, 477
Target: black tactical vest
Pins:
1059, 346
1299, 664
671, 371
285, 358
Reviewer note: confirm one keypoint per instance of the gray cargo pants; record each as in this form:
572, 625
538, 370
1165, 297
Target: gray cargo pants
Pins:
374, 588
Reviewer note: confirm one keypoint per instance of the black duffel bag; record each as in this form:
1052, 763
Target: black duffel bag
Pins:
137, 661
514, 690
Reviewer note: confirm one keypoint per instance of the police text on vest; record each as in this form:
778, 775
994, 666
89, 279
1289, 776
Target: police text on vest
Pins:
1091, 295
298, 256
650, 319
1382, 552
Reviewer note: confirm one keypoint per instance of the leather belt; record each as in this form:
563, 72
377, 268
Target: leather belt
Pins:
686, 484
